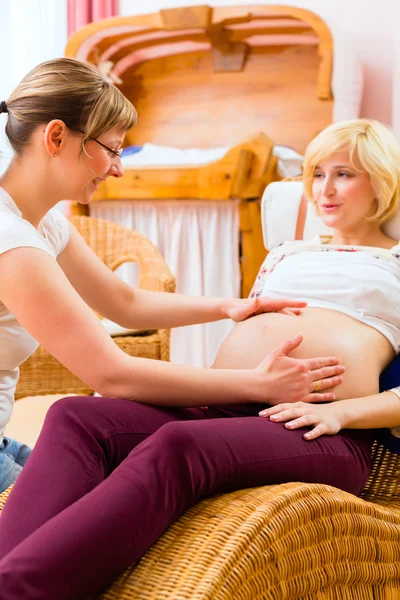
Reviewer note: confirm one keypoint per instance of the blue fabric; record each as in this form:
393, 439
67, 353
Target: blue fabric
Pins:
13, 456
131, 150
390, 378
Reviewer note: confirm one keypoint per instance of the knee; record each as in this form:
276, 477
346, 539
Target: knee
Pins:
177, 440
182, 457
72, 409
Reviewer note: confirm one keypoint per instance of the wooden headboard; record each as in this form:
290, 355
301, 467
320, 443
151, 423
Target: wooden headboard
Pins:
203, 77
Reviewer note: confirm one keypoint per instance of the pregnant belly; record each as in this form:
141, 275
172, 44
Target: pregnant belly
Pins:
361, 349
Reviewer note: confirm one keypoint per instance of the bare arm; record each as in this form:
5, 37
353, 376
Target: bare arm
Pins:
140, 309
369, 412
38, 294
36, 291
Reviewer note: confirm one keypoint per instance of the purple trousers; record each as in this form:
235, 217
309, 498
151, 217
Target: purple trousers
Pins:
108, 476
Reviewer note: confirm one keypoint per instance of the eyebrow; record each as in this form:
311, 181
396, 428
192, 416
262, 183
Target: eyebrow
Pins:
338, 167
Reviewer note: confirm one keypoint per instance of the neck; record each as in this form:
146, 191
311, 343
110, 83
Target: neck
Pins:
370, 234
31, 189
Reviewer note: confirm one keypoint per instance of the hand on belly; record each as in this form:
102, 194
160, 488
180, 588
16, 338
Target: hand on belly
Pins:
362, 350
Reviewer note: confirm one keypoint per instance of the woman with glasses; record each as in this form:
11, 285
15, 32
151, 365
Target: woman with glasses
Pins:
109, 474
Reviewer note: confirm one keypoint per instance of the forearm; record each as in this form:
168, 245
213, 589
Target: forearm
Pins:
166, 384
160, 310
369, 412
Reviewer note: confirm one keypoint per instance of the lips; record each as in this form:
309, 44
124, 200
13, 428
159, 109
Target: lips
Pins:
330, 207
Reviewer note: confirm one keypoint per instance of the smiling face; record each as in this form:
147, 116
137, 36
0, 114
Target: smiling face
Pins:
343, 192
96, 164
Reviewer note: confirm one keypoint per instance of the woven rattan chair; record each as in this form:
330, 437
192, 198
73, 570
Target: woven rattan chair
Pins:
41, 373
278, 542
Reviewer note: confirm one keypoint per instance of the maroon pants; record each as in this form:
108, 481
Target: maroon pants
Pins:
108, 476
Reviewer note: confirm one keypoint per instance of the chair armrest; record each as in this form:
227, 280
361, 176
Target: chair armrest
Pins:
116, 245
154, 274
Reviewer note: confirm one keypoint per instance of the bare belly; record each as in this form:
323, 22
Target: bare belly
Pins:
361, 349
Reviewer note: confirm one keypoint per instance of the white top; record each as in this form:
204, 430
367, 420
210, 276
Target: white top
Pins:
16, 344
360, 281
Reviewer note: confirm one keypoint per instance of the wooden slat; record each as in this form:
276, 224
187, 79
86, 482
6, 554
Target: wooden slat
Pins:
239, 174
252, 246
186, 17
182, 101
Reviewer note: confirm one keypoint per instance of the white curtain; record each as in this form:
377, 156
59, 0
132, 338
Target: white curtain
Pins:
200, 243
31, 31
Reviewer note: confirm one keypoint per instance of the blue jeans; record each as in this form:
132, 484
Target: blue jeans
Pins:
13, 456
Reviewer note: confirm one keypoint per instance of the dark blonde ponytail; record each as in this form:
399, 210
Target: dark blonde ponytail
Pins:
71, 91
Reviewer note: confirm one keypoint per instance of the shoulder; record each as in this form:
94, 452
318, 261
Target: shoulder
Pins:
56, 228
16, 232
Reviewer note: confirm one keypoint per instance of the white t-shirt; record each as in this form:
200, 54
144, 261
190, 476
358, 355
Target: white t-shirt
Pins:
16, 344
360, 281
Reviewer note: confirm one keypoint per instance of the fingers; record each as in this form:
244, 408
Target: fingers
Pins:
327, 377
327, 372
294, 420
273, 410
318, 430
304, 421
254, 302
288, 346
299, 415
315, 397
323, 384
290, 311
319, 363
280, 303
293, 415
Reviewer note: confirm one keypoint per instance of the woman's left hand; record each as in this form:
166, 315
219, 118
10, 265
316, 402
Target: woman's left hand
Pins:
324, 417
242, 309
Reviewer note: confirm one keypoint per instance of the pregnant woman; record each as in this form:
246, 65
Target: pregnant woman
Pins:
108, 475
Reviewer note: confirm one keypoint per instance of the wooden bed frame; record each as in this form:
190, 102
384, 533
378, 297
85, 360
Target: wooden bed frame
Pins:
243, 76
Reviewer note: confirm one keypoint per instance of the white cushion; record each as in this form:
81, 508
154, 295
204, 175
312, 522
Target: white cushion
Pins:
279, 210
28, 417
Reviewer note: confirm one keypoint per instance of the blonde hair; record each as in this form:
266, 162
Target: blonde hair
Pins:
378, 152
71, 91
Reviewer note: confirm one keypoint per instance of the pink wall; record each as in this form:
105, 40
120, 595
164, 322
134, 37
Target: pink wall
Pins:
370, 24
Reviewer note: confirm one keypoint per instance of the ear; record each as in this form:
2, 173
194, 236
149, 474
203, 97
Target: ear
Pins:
55, 136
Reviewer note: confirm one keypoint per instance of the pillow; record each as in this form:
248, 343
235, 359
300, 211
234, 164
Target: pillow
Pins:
279, 209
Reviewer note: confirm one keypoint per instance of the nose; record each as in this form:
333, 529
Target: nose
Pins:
328, 187
116, 169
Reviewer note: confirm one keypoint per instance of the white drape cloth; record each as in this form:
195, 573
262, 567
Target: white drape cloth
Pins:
199, 241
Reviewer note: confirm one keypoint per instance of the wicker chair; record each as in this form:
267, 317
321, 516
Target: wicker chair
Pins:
42, 373
278, 542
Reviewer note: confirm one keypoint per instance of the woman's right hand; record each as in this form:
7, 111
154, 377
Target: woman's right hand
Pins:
294, 379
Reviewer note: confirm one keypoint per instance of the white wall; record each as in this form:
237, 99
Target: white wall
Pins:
31, 31
371, 24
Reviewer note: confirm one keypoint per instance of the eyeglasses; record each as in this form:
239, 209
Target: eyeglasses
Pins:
109, 150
